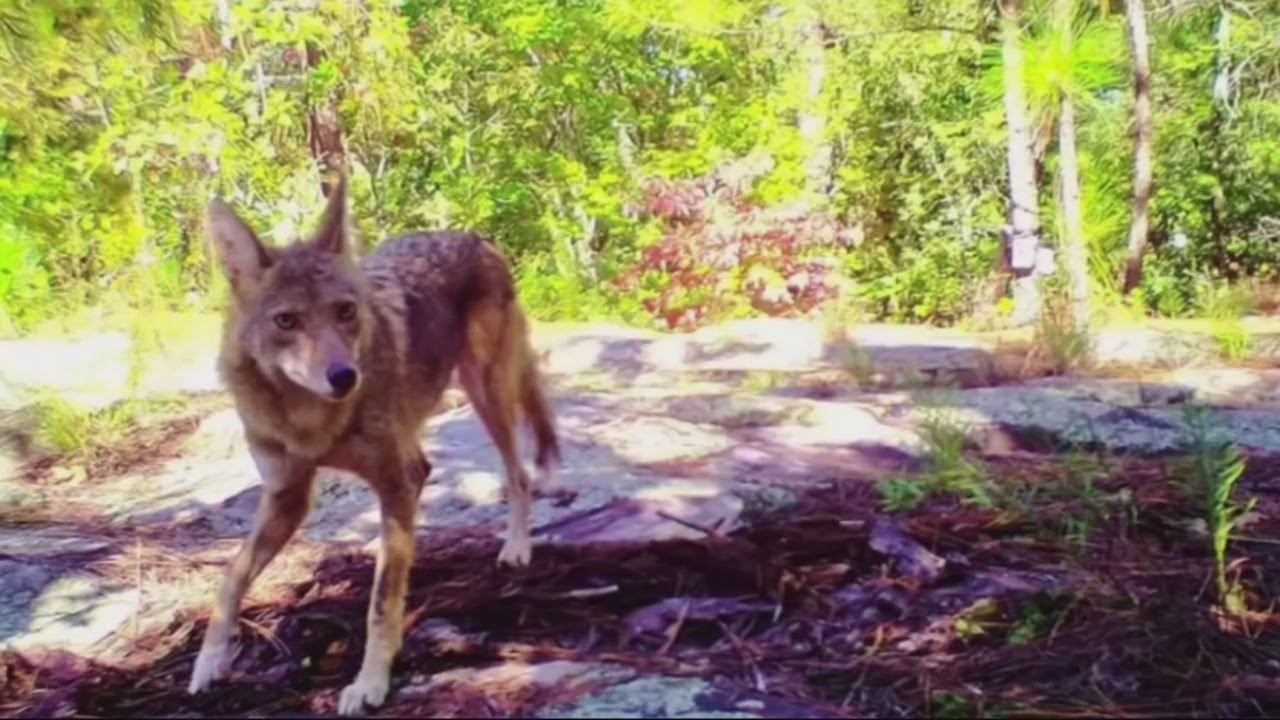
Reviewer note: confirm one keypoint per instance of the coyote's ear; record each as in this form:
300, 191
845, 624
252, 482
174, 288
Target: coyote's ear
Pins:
242, 255
334, 232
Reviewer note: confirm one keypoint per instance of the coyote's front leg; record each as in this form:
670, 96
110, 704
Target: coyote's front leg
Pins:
397, 486
285, 500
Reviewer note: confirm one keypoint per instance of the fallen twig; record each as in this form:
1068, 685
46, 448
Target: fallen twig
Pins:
713, 532
674, 631
586, 593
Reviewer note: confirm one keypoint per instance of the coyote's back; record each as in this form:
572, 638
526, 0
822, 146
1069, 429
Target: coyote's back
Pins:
446, 300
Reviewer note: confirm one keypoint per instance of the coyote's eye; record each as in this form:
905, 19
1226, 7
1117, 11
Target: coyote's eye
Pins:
346, 311
286, 320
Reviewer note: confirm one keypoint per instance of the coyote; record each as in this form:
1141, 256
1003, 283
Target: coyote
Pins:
337, 362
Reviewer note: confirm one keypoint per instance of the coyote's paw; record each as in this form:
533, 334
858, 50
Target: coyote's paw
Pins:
212, 664
516, 552
365, 690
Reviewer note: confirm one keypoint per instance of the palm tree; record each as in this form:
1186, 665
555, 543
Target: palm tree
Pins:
1065, 67
1069, 175
1023, 234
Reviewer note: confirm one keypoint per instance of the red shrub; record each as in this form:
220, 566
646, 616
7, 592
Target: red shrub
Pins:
720, 255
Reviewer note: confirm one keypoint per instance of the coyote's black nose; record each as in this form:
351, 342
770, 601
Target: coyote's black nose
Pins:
342, 378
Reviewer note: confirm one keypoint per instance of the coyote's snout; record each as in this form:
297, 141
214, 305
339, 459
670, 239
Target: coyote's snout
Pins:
334, 362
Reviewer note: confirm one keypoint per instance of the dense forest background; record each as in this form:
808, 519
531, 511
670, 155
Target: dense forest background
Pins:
671, 163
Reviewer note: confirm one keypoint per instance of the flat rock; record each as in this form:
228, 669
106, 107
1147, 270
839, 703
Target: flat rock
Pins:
1221, 386
652, 697
37, 544
1120, 393
15, 494
775, 344
646, 440
77, 612
893, 354
686, 510
95, 369
569, 689
1045, 419
566, 679
182, 490
91, 370
1139, 345
921, 355
842, 424
1228, 386
758, 462
219, 435
594, 347
1166, 347
726, 409
466, 487
835, 440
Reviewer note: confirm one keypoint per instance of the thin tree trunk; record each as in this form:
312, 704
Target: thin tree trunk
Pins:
1221, 104
1077, 264
812, 120
997, 287
1143, 179
626, 149
584, 247
1023, 235
223, 10
1075, 251
324, 130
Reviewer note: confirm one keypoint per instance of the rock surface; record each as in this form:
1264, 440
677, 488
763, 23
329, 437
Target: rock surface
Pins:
664, 437
648, 697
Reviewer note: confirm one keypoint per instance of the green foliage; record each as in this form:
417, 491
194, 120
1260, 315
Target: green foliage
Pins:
903, 493
555, 294
1063, 345
1079, 527
542, 124
1038, 616
950, 705
79, 435
1234, 341
951, 469
1033, 623
1216, 466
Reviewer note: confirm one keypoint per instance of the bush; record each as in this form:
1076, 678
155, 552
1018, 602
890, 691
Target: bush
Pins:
720, 256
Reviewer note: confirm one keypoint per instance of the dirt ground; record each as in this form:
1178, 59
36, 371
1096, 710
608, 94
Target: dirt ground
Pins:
764, 571
827, 608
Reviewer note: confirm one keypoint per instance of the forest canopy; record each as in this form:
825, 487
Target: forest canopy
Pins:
670, 163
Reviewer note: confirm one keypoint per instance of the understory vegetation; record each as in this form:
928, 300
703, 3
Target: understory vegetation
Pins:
664, 163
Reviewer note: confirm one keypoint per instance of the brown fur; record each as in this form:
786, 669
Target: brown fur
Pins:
404, 318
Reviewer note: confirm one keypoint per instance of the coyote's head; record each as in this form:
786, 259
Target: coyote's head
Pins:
301, 311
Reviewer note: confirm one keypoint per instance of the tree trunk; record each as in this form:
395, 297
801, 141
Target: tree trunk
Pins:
324, 130
1218, 120
1077, 264
626, 150
1023, 235
812, 120
1143, 180
222, 9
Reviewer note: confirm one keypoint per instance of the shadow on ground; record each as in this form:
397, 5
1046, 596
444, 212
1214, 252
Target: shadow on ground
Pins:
824, 606
828, 609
